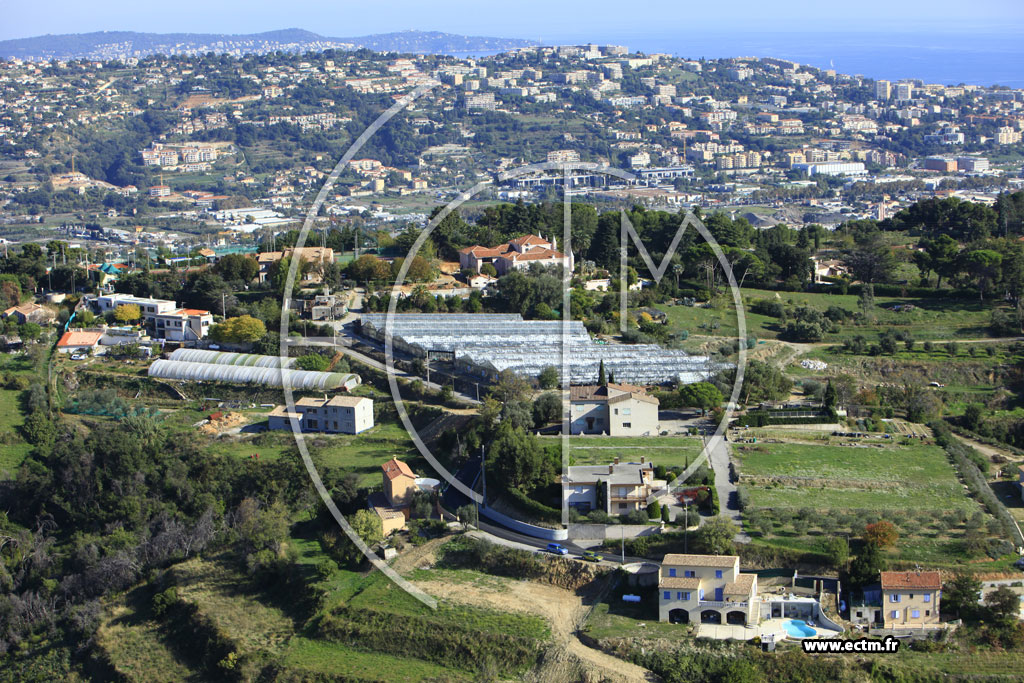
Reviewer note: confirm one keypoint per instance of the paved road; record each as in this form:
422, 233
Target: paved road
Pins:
718, 456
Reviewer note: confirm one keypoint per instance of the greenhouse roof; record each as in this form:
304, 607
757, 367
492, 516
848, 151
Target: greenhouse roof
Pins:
507, 342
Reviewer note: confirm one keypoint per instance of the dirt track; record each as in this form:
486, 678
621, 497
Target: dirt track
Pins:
563, 611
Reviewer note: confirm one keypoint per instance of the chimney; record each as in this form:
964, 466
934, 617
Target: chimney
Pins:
616, 460
611, 469
642, 460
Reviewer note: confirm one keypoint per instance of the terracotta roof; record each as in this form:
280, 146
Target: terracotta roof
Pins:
588, 392
680, 582
395, 468
922, 580
643, 398
701, 560
80, 339
743, 584
529, 239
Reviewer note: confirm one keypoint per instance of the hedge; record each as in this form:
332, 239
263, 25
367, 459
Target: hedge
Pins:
965, 457
538, 511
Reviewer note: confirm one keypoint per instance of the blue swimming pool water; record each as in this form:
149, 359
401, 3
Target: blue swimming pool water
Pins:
798, 628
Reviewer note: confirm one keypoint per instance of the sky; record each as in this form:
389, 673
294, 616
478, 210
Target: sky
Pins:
545, 21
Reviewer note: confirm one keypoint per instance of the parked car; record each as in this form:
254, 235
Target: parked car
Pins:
1019, 564
591, 556
78, 356
557, 549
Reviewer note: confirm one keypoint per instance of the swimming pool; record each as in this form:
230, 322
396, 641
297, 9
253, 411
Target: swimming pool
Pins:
798, 628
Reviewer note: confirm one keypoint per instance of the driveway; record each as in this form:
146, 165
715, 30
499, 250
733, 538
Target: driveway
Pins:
718, 457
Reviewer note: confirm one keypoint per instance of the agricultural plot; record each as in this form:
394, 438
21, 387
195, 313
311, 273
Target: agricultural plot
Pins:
797, 494
661, 450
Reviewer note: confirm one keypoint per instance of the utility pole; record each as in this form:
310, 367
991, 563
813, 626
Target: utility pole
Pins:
686, 529
623, 533
483, 476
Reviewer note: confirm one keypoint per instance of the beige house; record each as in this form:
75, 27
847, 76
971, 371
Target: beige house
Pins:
911, 599
318, 256
29, 313
399, 482
618, 488
613, 409
342, 414
707, 589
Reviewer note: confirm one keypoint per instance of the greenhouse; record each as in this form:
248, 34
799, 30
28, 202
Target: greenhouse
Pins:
252, 360
487, 344
243, 374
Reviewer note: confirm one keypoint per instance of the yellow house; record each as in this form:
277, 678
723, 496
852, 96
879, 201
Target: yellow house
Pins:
399, 483
707, 589
911, 599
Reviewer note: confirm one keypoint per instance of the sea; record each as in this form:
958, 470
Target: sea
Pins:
970, 58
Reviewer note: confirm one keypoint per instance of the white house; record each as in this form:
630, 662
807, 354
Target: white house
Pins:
342, 414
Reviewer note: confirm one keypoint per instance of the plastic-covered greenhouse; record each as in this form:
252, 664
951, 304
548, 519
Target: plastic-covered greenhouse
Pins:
244, 374
226, 358
485, 344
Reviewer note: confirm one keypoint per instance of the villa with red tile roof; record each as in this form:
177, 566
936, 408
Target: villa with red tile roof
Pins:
517, 254
911, 599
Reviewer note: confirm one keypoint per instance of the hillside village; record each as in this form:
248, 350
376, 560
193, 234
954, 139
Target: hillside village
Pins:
556, 450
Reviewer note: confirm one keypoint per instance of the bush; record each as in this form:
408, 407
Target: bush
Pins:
654, 510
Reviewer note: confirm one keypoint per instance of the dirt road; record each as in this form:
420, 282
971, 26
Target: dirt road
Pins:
563, 611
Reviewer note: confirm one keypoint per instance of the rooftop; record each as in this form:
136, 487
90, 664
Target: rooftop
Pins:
930, 580
395, 468
73, 338
701, 560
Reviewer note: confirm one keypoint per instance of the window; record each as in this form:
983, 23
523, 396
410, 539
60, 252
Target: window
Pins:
616, 411
668, 595
894, 598
915, 614
927, 597
627, 411
627, 425
679, 595
686, 595
895, 614
689, 574
700, 593
860, 614
672, 571
718, 573
927, 612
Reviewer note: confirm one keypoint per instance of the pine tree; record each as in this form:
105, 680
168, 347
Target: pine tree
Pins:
601, 377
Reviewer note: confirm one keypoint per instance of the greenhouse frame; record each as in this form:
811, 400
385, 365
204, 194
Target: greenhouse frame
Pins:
299, 380
487, 344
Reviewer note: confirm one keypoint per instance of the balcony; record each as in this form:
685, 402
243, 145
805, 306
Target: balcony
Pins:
720, 604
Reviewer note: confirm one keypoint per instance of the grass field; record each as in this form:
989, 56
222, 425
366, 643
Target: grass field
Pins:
335, 660
875, 477
13, 448
137, 649
661, 450
799, 494
934, 318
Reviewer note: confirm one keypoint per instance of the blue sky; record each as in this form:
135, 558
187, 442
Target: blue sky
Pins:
548, 21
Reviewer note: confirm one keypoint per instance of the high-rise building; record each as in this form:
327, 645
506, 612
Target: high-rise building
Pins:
904, 91
883, 90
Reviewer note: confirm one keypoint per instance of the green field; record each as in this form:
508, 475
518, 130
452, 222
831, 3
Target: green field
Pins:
875, 477
933, 318
661, 450
799, 494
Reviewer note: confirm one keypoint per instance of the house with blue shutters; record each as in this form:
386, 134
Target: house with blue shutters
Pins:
707, 589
